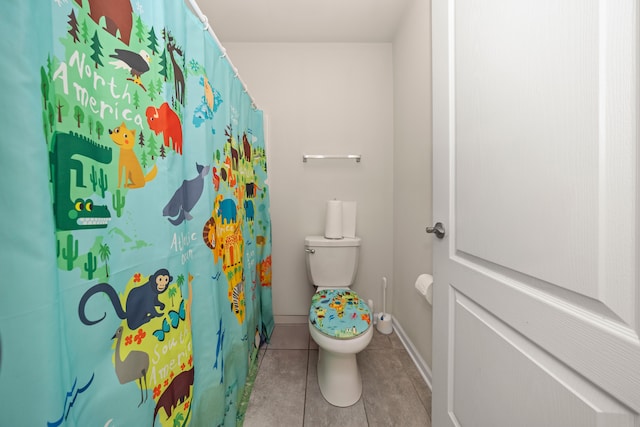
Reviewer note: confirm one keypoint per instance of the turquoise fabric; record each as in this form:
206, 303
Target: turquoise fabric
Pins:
136, 234
339, 313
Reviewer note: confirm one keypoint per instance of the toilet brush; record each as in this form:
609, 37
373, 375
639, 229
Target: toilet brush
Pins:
384, 323
384, 297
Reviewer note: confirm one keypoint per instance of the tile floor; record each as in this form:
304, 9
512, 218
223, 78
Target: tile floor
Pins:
286, 391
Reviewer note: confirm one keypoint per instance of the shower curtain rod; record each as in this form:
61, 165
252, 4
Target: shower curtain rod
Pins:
207, 27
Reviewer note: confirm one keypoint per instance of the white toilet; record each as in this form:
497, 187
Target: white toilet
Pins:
339, 321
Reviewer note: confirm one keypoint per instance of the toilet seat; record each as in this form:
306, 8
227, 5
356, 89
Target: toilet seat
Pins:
339, 313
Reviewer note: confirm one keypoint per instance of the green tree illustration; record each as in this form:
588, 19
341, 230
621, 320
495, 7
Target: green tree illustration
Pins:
136, 100
153, 41
151, 90
180, 281
61, 107
143, 159
99, 129
49, 67
78, 114
51, 117
73, 23
44, 86
159, 85
140, 30
172, 293
97, 50
141, 139
163, 65
84, 31
90, 124
105, 253
152, 146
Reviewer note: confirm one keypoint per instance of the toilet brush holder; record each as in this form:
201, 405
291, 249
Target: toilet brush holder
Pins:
384, 325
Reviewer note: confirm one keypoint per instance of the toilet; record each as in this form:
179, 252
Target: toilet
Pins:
339, 320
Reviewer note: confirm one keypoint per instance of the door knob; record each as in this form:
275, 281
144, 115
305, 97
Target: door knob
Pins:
437, 229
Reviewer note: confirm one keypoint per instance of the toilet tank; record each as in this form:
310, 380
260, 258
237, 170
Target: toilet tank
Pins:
332, 263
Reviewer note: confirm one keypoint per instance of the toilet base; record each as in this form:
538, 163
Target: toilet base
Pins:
338, 375
339, 378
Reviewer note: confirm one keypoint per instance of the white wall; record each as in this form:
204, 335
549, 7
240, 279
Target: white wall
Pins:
371, 99
324, 99
412, 173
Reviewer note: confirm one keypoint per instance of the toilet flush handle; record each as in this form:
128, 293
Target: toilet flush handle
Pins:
310, 251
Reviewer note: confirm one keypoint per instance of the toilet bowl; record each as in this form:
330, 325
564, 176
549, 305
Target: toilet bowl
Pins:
339, 321
338, 375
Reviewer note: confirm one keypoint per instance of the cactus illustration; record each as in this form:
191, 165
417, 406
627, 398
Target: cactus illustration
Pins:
102, 182
70, 253
90, 266
118, 202
93, 178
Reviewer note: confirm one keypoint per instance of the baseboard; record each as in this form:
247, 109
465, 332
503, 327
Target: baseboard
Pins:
422, 366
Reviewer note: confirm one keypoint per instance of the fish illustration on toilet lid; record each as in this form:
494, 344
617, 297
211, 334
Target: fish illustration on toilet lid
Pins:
339, 313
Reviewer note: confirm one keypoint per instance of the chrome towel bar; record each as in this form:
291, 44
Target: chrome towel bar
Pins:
355, 157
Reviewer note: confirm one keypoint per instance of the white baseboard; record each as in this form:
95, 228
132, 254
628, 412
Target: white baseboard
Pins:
422, 366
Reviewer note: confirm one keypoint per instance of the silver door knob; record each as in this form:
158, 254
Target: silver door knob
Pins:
437, 229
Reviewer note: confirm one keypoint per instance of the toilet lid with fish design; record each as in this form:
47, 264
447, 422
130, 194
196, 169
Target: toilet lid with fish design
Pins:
339, 313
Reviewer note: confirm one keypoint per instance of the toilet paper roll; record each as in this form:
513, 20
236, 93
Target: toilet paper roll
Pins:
424, 286
333, 223
349, 218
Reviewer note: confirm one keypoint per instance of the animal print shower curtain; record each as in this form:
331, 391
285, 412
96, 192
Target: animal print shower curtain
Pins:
136, 239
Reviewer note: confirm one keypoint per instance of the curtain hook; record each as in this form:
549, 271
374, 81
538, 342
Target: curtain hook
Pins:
205, 21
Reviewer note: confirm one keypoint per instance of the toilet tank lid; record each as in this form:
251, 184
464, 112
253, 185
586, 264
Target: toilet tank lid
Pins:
323, 241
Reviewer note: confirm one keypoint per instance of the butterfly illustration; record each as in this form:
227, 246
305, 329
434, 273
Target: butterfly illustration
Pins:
160, 332
176, 316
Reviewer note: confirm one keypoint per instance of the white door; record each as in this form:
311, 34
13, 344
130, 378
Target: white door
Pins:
537, 285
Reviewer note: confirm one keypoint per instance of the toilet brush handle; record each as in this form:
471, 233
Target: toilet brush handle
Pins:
384, 295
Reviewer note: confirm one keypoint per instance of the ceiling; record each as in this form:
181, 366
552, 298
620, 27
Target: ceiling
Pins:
309, 21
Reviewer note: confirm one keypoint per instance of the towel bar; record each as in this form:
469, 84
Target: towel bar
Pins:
355, 157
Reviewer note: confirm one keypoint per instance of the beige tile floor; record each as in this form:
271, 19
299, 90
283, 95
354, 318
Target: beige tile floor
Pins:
286, 392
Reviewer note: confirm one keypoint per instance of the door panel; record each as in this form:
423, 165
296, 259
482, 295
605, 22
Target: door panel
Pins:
507, 126
506, 367
535, 177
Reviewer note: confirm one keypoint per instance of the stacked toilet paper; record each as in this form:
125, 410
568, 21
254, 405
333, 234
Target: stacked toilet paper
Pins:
340, 220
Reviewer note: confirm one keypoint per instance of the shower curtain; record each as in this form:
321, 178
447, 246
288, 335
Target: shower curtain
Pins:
136, 239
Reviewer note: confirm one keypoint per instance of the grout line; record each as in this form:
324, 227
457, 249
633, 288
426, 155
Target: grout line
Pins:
378, 352
364, 406
306, 384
